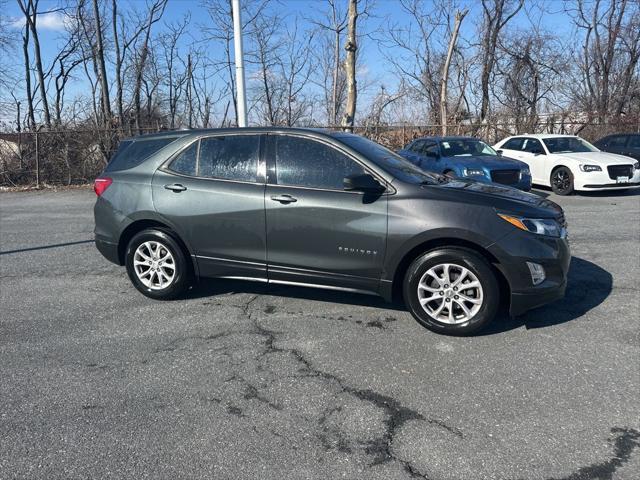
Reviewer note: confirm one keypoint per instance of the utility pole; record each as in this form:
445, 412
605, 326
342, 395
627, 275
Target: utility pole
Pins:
239, 59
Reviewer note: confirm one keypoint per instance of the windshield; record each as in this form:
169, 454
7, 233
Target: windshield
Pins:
568, 145
465, 147
387, 160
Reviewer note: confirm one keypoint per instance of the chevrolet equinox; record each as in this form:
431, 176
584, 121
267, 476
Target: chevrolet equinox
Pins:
331, 210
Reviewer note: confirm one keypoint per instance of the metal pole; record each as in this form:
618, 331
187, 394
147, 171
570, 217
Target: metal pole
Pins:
37, 162
239, 59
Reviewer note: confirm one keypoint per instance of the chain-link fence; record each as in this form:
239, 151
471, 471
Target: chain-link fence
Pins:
77, 156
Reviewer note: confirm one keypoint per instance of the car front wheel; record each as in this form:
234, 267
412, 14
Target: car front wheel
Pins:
451, 291
157, 265
562, 181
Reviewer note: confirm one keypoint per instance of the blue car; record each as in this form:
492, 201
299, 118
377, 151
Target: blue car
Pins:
467, 157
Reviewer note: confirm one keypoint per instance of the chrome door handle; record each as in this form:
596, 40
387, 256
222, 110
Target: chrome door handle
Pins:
283, 198
175, 187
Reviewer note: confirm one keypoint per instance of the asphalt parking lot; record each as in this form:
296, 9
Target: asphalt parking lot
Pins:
241, 380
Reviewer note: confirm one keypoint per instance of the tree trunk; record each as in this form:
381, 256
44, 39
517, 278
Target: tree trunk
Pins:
189, 93
31, 119
445, 71
30, 10
102, 70
116, 44
336, 71
350, 67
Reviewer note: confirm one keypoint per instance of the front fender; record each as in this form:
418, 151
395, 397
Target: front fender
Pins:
435, 237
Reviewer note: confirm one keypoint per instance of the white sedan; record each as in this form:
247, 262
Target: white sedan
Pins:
567, 163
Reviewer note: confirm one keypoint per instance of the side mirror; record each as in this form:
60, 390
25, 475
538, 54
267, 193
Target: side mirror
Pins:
537, 152
433, 155
362, 183
499, 152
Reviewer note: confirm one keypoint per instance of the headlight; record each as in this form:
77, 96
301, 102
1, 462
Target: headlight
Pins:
541, 226
473, 172
636, 165
590, 168
525, 171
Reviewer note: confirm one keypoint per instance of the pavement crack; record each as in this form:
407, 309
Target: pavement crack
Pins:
396, 415
627, 439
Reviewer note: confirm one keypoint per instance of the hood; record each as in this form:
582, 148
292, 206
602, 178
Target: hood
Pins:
500, 197
492, 162
598, 158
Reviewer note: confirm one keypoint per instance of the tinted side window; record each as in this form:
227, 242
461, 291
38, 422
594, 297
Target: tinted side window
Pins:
617, 141
432, 149
234, 157
532, 145
308, 163
132, 153
186, 161
513, 144
417, 146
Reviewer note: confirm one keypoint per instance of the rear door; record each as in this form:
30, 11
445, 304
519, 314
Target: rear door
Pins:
318, 233
212, 193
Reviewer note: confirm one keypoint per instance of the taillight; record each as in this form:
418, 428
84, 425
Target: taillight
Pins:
101, 184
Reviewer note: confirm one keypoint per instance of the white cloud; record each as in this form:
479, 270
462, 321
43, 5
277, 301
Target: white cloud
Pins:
53, 21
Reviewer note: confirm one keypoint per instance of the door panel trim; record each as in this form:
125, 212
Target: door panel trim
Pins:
325, 287
323, 278
229, 268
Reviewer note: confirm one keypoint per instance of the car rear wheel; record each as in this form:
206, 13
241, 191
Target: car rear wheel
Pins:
451, 291
562, 181
157, 265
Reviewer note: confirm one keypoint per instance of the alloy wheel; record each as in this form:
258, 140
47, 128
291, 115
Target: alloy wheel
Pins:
561, 180
154, 265
450, 293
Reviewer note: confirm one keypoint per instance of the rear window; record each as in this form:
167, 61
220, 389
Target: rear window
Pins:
132, 153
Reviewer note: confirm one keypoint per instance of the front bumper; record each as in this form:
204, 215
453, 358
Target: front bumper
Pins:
517, 248
522, 302
602, 181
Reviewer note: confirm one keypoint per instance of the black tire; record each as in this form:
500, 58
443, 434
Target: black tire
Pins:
182, 276
457, 257
562, 181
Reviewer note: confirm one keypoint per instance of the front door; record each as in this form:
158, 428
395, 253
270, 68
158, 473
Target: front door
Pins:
213, 196
534, 155
318, 233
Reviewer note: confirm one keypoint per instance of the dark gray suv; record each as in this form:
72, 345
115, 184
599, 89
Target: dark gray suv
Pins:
330, 210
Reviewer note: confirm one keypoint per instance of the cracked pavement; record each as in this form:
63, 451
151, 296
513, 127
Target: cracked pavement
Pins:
243, 380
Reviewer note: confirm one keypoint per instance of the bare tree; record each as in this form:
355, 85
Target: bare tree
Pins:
220, 30
496, 15
350, 67
65, 62
610, 54
335, 24
414, 52
175, 79
30, 10
266, 57
102, 69
445, 69
31, 120
155, 13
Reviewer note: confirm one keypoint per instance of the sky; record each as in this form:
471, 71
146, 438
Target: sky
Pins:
374, 69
